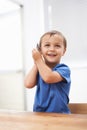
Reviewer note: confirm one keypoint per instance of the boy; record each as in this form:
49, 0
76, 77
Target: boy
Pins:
51, 77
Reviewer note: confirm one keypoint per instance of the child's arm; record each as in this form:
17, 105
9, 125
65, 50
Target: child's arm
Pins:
31, 78
46, 73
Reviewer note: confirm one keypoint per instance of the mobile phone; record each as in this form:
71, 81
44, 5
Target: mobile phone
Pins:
38, 47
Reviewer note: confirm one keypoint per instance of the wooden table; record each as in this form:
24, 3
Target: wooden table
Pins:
12, 120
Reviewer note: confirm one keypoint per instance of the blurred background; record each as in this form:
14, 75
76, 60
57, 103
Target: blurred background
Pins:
22, 22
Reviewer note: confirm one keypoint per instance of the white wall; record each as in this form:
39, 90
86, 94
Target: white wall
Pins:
11, 68
64, 16
12, 91
78, 91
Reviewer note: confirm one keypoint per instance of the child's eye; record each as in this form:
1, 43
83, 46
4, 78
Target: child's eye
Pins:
47, 45
57, 45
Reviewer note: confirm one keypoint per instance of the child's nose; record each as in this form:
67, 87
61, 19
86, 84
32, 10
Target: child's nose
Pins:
51, 47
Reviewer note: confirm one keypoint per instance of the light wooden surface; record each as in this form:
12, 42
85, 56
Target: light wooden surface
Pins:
78, 108
42, 121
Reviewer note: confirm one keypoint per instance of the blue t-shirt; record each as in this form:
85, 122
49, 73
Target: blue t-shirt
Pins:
53, 97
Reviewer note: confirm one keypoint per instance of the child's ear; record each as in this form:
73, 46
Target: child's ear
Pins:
64, 51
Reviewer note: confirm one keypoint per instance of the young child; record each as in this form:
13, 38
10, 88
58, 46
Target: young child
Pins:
51, 77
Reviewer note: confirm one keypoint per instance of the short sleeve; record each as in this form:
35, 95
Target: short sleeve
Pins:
64, 71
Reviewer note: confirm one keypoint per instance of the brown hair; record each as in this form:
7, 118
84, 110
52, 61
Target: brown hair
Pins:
51, 33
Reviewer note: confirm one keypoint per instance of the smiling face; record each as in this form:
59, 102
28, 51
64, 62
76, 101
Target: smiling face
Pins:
52, 48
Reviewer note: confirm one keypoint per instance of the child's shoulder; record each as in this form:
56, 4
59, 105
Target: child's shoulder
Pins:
62, 65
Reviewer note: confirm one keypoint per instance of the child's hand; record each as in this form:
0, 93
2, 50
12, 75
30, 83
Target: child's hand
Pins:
36, 54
